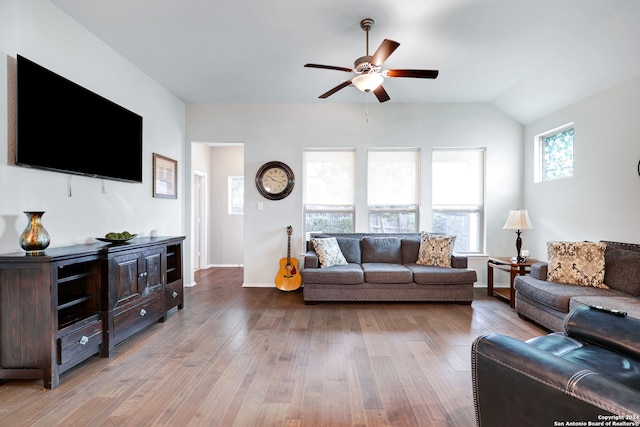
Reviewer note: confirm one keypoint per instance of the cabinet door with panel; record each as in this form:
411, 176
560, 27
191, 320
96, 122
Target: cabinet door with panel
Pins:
136, 291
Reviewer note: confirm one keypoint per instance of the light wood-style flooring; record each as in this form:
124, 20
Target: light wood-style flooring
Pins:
261, 357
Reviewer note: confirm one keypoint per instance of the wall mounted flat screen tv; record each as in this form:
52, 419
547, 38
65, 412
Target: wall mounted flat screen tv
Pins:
64, 127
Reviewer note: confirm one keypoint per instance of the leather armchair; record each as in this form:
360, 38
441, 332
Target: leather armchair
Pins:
588, 373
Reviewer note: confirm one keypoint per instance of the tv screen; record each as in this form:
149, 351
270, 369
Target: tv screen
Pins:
64, 127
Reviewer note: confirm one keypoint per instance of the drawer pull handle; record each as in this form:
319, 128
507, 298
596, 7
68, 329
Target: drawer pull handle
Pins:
84, 340
174, 294
143, 312
143, 274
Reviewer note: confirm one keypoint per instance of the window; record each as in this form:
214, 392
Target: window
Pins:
392, 190
329, 185
458, 196
554, 154
236, 195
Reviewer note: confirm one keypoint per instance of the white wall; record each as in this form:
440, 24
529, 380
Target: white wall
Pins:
281, 132
41, 32
602, 200
227, 231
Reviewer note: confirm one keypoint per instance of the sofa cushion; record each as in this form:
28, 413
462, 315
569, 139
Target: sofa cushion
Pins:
622, 270
350, 274
555, 295
577, 263
350, 248
436, 250
629, 305
430, 275
380, 272
410, 249
349, 244
381, 249
329, 252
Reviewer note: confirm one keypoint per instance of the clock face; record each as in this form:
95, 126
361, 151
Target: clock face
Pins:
275, 180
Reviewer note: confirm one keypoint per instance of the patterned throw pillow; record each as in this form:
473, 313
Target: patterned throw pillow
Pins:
576, 263
436, 250
329, 252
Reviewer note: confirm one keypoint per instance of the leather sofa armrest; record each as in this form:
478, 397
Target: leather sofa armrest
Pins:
539, 271
618, 333
311, 260
459, 261
515, 383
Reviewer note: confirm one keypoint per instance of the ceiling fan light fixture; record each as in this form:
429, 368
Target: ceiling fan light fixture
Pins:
367, 82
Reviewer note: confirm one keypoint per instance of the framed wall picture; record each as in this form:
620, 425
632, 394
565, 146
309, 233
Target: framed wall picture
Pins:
165, 177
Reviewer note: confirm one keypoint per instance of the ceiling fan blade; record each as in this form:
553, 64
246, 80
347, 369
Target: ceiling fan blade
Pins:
329, 67
381, 94
417, 74
335, 89
385, 49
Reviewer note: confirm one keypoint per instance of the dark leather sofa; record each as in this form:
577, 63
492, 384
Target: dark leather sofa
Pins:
587, 375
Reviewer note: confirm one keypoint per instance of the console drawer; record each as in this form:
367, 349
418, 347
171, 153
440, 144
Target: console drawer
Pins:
174, 295
137, 317
80, 340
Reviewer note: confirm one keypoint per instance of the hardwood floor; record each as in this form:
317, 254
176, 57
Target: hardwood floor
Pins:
260, 357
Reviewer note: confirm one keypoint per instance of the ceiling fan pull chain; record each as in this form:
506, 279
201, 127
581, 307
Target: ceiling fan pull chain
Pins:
366, 108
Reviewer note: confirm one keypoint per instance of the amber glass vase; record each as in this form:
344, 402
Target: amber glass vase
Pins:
34, 239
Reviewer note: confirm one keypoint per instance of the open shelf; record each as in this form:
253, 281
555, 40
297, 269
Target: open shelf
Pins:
174, 260
75, 301
74, 277
71, 319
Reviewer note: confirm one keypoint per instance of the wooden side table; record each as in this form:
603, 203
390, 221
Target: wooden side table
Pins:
514, 268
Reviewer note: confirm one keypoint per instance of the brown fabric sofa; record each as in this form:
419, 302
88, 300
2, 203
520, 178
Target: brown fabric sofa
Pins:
548, 303
382, 267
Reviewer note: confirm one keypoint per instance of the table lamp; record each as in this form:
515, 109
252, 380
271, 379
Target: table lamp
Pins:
518, 220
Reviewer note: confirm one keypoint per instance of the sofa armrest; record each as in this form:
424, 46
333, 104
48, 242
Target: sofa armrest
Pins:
539, 270
311, 260
515, 383
459, 261
618, 333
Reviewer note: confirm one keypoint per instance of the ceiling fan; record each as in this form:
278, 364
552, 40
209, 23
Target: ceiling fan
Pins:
369, 77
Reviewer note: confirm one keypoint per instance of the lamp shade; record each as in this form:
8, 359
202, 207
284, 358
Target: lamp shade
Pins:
518, 220
367, 82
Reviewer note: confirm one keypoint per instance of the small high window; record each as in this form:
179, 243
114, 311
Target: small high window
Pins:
554, 154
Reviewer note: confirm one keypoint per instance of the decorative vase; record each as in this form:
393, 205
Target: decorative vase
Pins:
34, 239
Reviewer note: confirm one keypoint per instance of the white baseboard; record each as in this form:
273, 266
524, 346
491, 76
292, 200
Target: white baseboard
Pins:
258, 285
225, 265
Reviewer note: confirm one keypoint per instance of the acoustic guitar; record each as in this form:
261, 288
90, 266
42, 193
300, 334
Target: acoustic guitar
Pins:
288, 277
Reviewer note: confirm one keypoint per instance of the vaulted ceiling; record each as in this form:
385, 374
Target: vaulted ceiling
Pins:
527, 57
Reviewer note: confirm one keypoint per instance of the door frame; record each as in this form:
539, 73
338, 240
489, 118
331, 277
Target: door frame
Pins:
200, 210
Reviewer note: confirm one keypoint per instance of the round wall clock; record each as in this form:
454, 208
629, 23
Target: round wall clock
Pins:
275, 180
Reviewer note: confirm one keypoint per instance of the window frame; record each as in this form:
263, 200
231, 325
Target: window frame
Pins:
329, 210
230, 194
471, 209
412, 209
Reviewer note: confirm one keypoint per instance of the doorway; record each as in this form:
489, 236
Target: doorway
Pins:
218, 230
